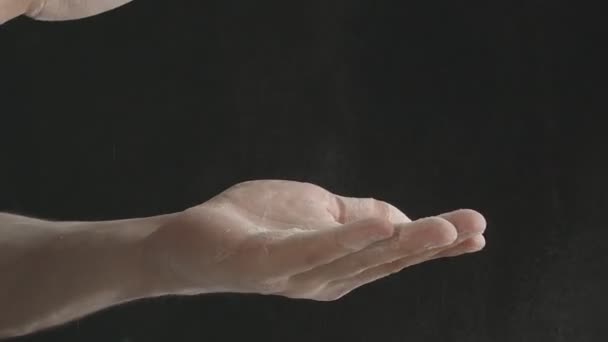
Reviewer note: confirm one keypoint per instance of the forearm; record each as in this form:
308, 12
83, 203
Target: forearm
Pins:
54, 272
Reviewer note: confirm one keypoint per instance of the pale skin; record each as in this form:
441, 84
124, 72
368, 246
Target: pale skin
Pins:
270, 237
52, 10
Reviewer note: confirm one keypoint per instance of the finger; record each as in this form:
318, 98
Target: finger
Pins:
460, 246
471, 245
395, 215
412, 238
468, 222
306, 250
352, 209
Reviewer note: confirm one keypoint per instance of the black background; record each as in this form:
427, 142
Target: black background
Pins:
430, 105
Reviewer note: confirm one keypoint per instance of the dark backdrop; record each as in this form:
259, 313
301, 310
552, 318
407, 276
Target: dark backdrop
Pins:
431, 105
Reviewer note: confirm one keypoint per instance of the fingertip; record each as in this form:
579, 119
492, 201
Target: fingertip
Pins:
472, 245
476, 243
467, 221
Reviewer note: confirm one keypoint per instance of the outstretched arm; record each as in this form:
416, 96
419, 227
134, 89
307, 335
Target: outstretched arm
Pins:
271, 237
53, 272
56, 9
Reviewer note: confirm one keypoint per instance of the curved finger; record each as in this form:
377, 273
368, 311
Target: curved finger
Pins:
468, 222
412, 238
470, 245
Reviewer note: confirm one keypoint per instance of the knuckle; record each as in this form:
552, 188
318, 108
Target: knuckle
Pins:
381, 208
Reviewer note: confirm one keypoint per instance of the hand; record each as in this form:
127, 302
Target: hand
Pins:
69, 9
300, 241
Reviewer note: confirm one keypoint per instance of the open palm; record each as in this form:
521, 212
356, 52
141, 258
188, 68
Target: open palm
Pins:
301, 241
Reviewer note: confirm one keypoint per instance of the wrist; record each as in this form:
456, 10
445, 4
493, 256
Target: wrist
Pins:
184, 255
106, 257
136, 274
160, 252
